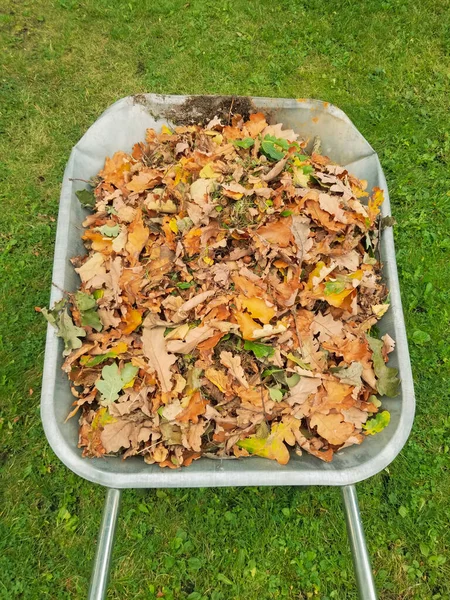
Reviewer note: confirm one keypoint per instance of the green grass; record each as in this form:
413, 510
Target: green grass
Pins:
386, 64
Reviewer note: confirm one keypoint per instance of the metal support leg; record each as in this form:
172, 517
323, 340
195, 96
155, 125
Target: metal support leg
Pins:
361, 561
105, 543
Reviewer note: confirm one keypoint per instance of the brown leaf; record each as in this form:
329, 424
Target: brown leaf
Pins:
277, 232
154, 348
191, 341
117, 435
332, 428
233, 363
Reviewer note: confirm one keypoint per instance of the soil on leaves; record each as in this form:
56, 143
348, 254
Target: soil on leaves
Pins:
227, 300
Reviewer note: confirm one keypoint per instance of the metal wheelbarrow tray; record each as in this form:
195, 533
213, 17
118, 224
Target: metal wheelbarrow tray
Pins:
120, 126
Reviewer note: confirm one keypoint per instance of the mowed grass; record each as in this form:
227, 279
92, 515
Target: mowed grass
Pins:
386, 64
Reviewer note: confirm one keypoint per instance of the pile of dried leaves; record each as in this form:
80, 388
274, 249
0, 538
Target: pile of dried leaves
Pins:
229, 287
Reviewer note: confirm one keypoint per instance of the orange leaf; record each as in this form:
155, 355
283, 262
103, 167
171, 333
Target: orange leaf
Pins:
246, 324
258, 308
196, 407
115, 168
256, 123
211, 342
246, 286
137, 237
313, 209
277, 232
99, 243
254, 395
144, 181
131, 321
351, 350
191, 241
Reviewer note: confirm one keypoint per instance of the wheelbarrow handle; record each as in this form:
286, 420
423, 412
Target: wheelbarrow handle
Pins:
363, 571
105, 543
361, 561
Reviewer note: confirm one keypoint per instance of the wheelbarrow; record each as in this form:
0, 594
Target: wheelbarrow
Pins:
119, 128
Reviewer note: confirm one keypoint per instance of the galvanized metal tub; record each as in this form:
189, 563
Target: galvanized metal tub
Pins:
119, 128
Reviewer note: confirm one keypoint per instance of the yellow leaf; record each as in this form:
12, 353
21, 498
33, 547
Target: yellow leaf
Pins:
208, 261
208, 172
258, 308
218, 378
119, 348
166, 130
273, 446
374, 204
173, 225
379, 309
336, 299
129, 384
314, 273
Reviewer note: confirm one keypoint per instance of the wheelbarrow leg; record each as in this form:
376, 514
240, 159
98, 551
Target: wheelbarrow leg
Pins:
105, 543
361, 561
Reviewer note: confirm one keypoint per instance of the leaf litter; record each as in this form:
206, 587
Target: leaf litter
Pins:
228, 300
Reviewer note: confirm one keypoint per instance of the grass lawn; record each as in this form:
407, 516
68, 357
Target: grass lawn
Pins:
386, 63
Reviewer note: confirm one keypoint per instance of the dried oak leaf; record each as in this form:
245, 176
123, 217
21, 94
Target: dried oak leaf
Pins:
233, 364
159, 360
195, 408
115, 169
278, 232
332, 428
137, 237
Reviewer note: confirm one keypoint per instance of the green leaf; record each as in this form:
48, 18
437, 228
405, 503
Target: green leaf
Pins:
86, 198
388, 382
97, 360
334, 287
259, 350
403, 511
128, 373
276, 394
244, 143
69, 332
110, 384
271, 147
285, 213
377, 423
85, 301
90, 318
52, 315
421, 337
307, 169
221, 577
108, 230
298, 361
293, 380
87, 306
113, 381
184, 285
350, 375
